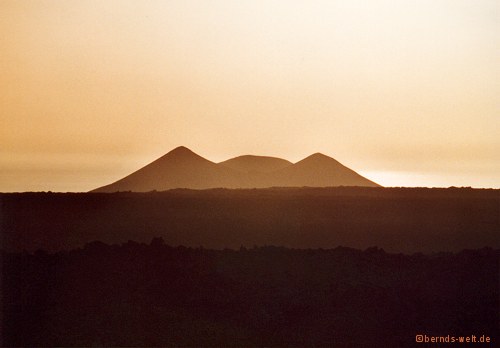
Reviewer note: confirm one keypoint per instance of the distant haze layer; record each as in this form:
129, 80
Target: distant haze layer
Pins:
404, 92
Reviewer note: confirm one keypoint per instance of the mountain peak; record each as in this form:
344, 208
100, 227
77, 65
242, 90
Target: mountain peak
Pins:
181, 153
318, 157
252, 163
180, 150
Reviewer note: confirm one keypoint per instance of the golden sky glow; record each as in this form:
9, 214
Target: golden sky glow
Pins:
404, 92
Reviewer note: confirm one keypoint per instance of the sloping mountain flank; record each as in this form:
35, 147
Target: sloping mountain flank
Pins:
182, 168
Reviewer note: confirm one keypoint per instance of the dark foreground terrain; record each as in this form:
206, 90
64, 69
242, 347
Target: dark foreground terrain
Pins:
60, 287
396, 219
156, 295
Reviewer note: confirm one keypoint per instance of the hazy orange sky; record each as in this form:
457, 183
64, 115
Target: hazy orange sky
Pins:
404, 92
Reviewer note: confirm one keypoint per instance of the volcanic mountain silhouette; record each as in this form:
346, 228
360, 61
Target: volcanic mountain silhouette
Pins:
182, 168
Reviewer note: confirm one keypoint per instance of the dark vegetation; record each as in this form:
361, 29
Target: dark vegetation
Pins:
156, 295
396, 219
61, 287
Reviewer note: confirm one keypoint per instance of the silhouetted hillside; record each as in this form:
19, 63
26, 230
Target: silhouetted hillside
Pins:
156, 295
319, 170
182, 168
262, 164
397, 219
